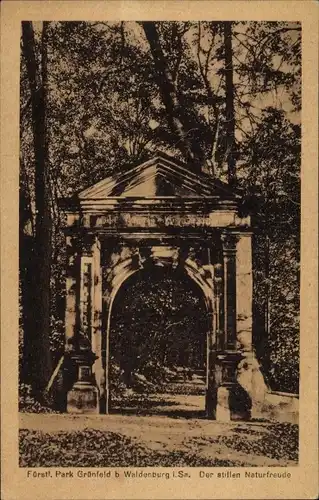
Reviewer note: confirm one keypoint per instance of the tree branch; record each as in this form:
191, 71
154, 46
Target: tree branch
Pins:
168, 91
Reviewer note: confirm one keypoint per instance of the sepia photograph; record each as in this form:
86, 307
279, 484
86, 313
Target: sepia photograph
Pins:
159, 250
159, 243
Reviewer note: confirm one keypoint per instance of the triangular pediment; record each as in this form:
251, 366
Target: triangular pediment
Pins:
162, 176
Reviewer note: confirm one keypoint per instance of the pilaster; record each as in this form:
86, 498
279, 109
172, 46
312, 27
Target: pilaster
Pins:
229, 242
87, 244
233, 402
81, 352
218, 289
244, 295
71, 288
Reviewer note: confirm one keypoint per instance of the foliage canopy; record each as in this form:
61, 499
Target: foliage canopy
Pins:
117, 91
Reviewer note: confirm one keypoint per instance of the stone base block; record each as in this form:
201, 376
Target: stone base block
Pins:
240, 403
83, 399
222, 409
210, 405
233, 403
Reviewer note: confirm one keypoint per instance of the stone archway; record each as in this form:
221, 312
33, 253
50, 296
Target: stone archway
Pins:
124, 223
124, 269
158, 319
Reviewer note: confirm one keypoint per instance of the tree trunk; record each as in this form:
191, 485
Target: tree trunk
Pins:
230, 114
26, 248
178, 122
40, 360
267, 302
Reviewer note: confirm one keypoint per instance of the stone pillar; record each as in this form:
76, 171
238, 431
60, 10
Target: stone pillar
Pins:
214, 343
232, 400
109, 288
71, 288
244, 295
86, 286
83, 396
98, 369
229, 242
218, 288
249, 375
211, 389
68, 369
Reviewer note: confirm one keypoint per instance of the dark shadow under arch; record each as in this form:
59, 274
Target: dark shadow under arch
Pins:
158, 316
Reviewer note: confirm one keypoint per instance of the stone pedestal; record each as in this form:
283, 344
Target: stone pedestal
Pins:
84, 395
233, 402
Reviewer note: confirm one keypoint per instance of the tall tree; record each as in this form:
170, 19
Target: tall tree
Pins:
179, 121
229, 103
273, 174
37, 339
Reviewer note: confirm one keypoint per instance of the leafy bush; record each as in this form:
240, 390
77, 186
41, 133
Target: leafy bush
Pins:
284, 362
29, 404
57, 338
117, 386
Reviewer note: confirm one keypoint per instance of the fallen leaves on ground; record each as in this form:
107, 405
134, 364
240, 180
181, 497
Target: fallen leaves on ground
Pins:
95, 448
279, 441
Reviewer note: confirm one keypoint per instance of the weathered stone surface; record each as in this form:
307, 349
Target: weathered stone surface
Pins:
244, 292
83, 399
161, 214
223, 413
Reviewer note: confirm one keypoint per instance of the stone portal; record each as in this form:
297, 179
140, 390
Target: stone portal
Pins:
161, 214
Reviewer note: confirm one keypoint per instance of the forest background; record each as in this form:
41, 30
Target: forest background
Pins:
98, 98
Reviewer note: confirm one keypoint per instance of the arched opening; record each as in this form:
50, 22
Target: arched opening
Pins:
158, 344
